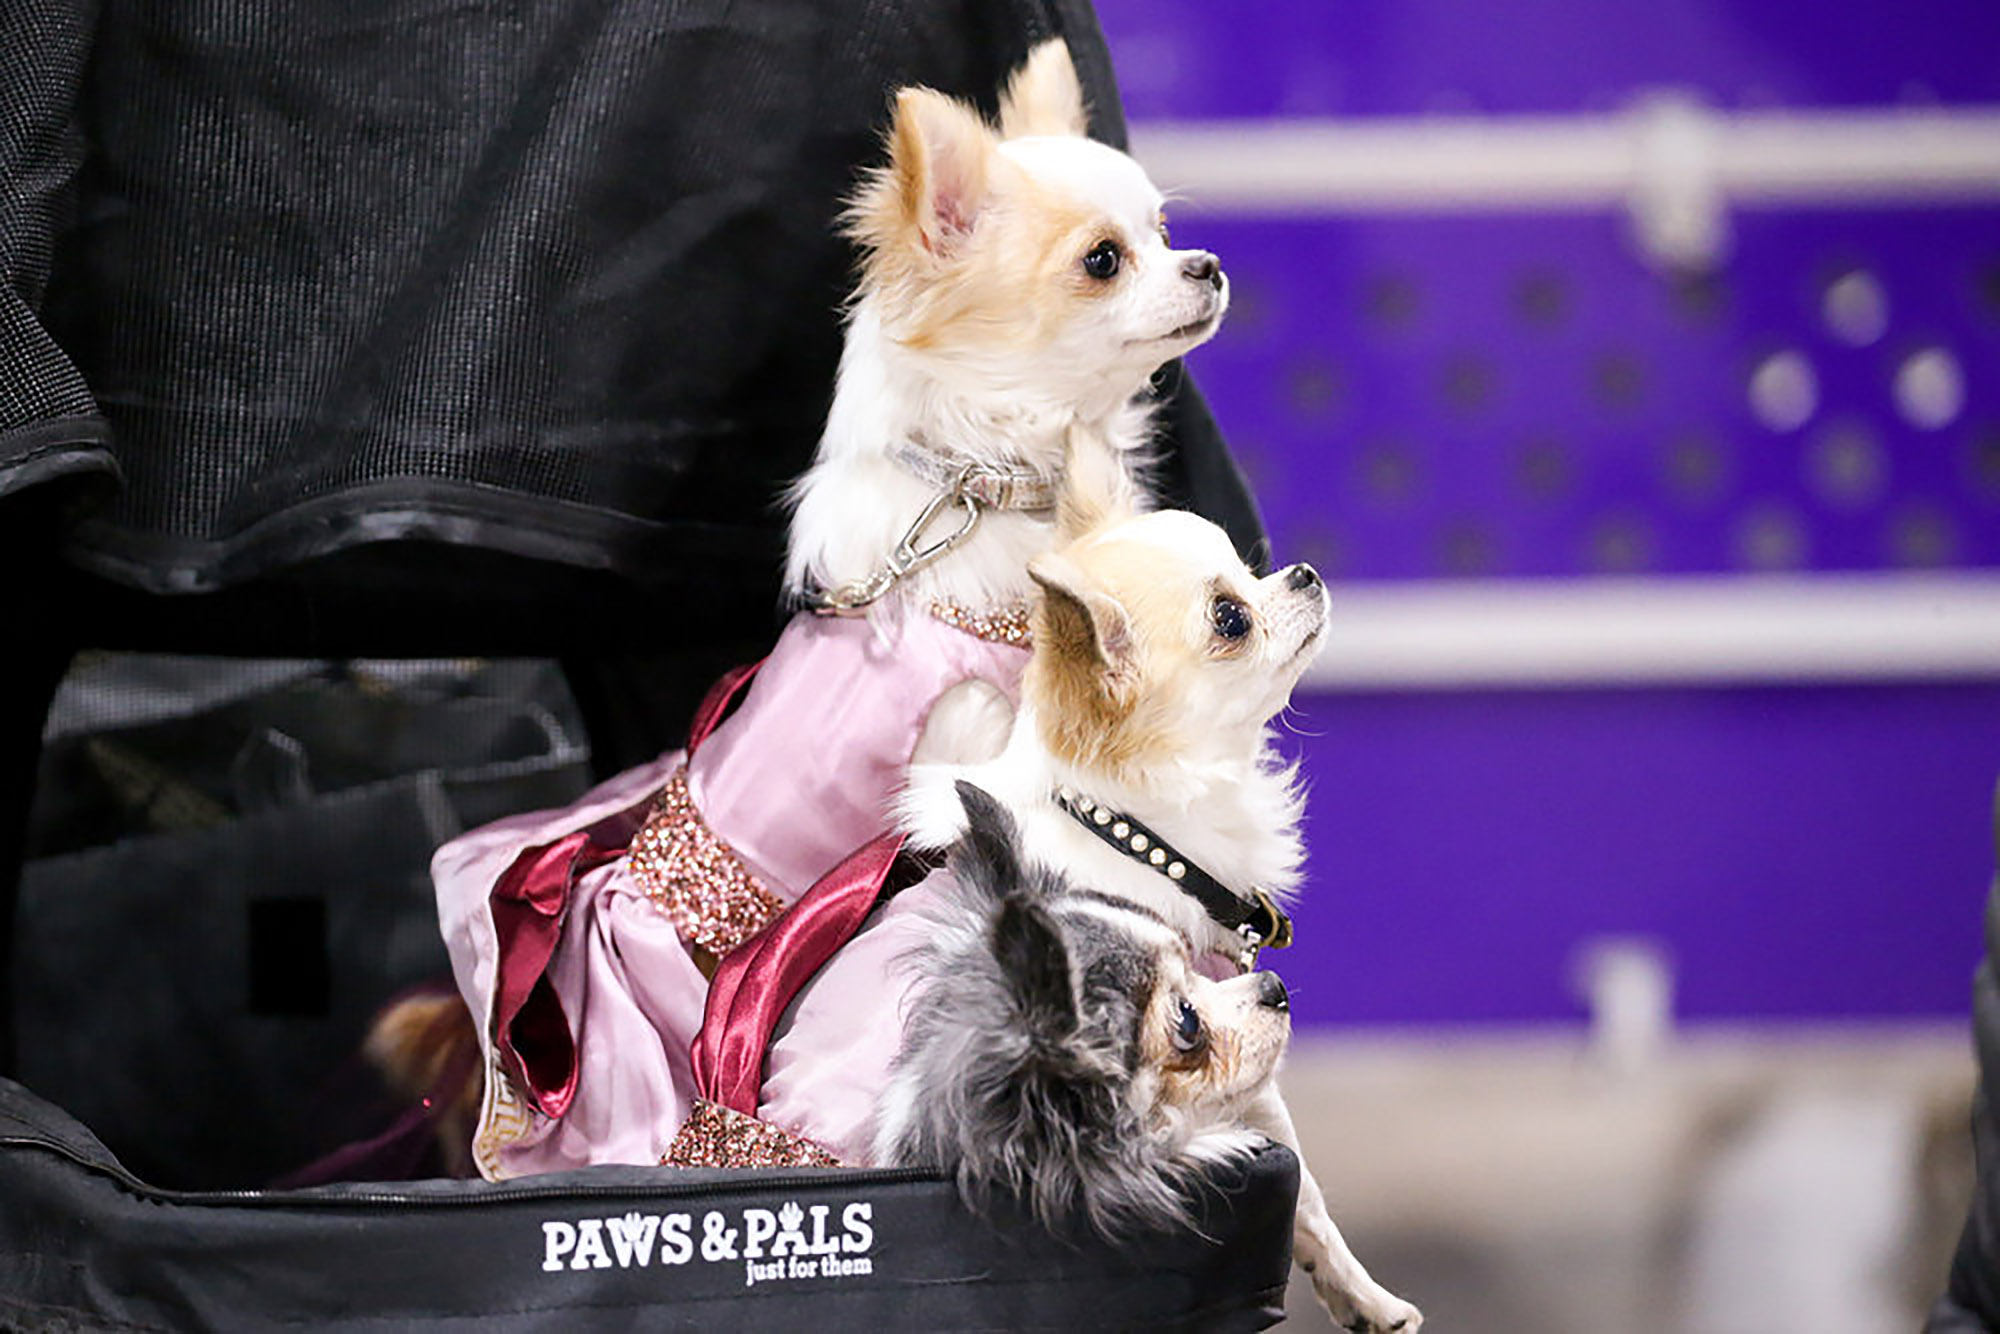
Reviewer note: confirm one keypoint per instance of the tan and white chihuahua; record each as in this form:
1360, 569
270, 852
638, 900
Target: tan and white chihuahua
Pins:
1017, 292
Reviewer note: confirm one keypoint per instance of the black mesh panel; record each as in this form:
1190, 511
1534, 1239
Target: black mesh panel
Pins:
49, 427
376, 270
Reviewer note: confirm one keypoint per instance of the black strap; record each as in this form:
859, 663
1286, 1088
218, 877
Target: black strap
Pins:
1262, 920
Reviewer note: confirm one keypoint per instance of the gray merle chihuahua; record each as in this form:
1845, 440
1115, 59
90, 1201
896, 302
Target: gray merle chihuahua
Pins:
1066, 1051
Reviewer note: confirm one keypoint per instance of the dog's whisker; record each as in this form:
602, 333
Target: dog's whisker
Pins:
1289, 719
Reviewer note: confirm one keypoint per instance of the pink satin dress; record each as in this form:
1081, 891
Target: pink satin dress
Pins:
570, 930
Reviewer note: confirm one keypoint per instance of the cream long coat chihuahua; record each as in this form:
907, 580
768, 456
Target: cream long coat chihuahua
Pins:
1159, 662
1017, 292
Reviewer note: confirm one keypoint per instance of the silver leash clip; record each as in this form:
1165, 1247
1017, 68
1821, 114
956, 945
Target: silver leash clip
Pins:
854, 597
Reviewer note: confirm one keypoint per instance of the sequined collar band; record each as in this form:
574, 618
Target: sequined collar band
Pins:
1258, 920
1004, 625
997, 486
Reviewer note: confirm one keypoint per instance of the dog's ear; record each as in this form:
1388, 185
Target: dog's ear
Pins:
940, 168
1079, 621
1044, 96
1084, 676
1035, 964
989, 856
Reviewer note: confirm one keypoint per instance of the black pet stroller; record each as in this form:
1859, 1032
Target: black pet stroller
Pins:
392, 400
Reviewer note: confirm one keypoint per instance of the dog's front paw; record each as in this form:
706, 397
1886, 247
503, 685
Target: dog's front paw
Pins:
1368, 1308
968, 724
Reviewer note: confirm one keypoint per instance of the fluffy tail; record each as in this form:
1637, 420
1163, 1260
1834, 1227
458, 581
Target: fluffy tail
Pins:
426, 1048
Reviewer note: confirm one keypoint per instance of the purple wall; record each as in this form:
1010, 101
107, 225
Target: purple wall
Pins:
1521, 396
1203, 58
1801, 851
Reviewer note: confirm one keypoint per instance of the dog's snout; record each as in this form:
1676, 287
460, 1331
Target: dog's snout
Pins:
1301, 577
1271, 992
1203, 268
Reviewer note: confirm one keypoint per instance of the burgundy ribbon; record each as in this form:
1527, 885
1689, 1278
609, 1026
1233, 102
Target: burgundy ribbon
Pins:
752, 985
714, 706
528, 904
757, 980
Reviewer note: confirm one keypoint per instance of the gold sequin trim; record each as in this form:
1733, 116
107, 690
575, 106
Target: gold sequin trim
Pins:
503, 1120
717, 1136
1009, 625
695, 878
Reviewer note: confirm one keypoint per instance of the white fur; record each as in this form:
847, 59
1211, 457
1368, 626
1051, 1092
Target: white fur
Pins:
969, 722
854, 503
1237, 821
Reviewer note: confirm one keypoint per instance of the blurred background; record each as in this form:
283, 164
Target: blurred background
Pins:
1634, 375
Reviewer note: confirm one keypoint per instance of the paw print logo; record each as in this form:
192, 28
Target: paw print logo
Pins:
790, 1240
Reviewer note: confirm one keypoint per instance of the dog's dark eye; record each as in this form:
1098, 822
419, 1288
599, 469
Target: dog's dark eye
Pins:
1102, 261
1187, 1029
1166, 235
1231, 618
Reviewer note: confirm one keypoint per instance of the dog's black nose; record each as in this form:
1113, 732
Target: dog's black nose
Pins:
1203, 268
1301, 577
1271, 992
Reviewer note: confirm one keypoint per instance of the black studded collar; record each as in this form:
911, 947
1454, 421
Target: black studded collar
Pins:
1260, 921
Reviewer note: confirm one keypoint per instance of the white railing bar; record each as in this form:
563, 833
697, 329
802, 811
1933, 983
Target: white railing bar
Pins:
1817, 157
1685, 630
